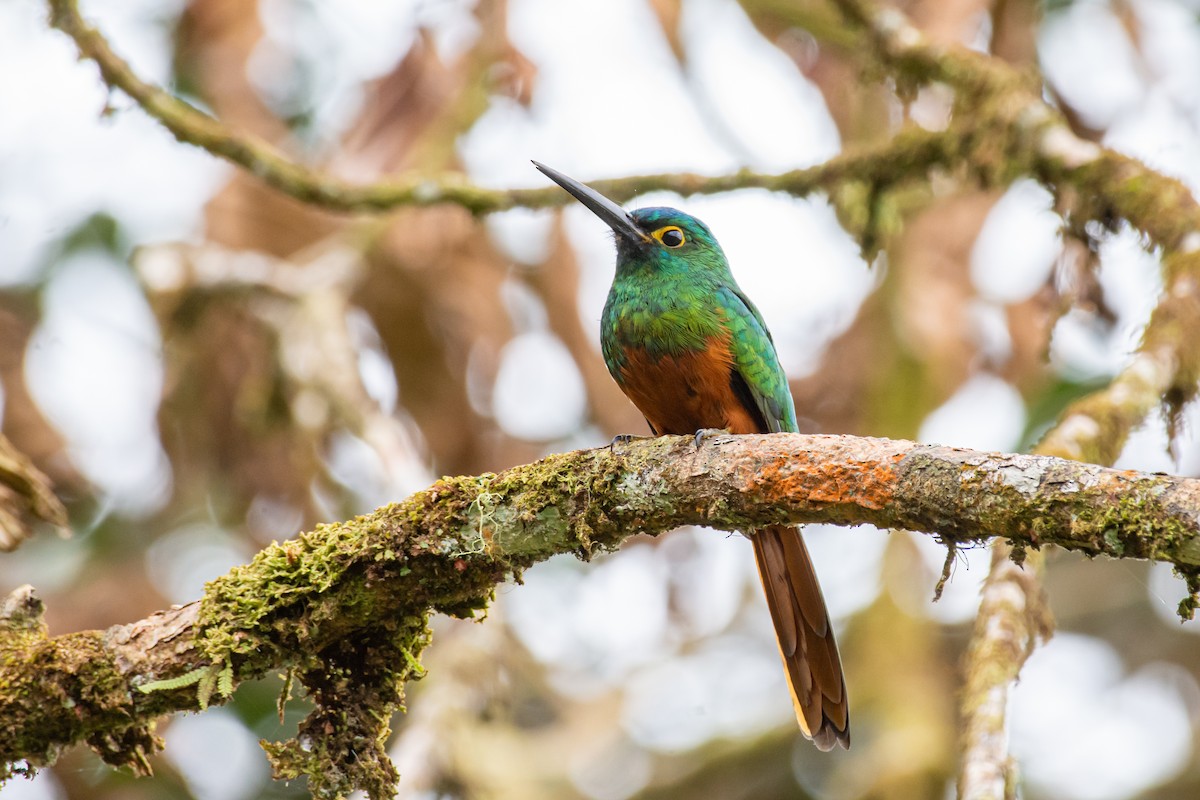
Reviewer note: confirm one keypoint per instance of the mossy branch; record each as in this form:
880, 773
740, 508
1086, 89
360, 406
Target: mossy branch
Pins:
346, 605
1009, 131
911, 155
1013, 614
1003, 130
1090, 183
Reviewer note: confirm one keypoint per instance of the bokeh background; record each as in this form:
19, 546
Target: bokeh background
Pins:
203, 366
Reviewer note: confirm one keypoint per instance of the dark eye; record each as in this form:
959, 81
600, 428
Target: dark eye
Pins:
672, 237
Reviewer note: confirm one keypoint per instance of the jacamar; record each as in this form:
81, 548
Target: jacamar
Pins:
692, 352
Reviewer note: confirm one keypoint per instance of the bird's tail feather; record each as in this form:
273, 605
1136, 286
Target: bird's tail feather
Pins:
810, 654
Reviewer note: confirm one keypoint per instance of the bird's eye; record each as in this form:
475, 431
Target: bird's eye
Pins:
671, 236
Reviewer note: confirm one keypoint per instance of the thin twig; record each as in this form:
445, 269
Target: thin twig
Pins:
912, 154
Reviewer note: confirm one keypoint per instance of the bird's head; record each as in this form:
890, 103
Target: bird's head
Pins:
657, 235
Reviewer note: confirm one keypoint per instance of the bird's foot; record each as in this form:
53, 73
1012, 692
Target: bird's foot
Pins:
623, 439
708, 433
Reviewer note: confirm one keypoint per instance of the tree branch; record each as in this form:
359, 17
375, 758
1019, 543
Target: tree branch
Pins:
1090, 183
909, 155
1002, 129
1012, 131
346, 606
1013, 614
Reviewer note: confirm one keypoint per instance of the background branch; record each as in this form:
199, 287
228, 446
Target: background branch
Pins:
906, 156
265, 389
1090, 183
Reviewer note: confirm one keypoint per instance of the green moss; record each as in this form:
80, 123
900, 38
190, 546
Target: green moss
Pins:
73, 672
346, 607
189, 678
356, 688
533, 496
1114, 542
1187, 606
1132, 524
1044, 501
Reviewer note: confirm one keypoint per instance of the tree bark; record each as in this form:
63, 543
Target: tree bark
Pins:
345, 606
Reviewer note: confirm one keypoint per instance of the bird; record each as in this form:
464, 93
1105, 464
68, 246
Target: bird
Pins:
689, 348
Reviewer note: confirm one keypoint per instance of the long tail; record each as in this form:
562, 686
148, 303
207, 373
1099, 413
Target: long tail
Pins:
810, 654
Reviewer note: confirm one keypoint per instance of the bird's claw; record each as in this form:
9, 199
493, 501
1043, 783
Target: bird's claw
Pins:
623, 439
708, 433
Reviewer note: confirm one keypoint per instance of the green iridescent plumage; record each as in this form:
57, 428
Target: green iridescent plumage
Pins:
673, 300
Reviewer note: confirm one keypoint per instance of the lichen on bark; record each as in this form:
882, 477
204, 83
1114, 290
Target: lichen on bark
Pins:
345, 607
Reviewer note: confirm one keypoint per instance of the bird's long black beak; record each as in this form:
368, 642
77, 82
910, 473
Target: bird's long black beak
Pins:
617, 218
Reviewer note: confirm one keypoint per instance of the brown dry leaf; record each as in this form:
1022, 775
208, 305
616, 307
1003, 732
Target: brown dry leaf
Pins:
213, 43
31, 433
505, 68
400, 110
215, 40
514, 76
669, 13
1014, 30
414, 115
26, 499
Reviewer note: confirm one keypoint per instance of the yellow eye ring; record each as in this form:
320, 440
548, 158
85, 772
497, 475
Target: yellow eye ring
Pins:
670, 236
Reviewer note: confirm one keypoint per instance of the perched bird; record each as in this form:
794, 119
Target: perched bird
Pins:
692, 352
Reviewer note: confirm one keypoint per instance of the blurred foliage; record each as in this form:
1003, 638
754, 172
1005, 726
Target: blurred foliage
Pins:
350, 360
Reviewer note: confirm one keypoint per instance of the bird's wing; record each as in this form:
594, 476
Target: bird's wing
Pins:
755, 360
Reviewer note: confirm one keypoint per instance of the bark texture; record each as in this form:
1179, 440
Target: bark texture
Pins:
345, 607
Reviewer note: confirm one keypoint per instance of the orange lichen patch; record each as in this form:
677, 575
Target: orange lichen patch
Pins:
487, 535
868, 483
